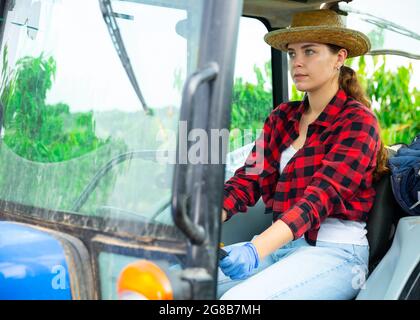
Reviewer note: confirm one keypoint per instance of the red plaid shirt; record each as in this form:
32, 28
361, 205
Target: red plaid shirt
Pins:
330, 176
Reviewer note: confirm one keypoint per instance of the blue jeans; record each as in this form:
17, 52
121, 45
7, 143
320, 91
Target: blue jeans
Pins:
300, 271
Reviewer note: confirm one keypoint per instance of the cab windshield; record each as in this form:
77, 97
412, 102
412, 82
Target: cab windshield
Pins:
76, 136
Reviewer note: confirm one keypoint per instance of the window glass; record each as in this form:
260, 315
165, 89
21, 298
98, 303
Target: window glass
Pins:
390, 25
75, 134
252, 99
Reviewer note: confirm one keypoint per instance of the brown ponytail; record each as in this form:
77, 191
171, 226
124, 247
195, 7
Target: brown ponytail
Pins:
349, 83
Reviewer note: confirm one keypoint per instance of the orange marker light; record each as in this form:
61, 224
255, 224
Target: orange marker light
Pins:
144, 280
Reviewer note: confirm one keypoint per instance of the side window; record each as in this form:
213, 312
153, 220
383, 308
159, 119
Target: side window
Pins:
252, 99
391, 76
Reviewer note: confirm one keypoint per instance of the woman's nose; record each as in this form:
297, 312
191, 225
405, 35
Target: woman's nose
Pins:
297, 61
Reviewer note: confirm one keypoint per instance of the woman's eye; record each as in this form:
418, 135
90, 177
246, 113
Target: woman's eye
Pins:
291, 54
309, 52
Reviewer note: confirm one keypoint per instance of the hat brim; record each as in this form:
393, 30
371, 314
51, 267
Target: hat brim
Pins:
355, 42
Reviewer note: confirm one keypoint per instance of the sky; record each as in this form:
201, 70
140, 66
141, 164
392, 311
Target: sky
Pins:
89, 72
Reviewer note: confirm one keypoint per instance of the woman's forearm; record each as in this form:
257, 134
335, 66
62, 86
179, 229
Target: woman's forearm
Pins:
274, 237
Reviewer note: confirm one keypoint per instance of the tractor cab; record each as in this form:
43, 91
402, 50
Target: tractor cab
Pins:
120, 121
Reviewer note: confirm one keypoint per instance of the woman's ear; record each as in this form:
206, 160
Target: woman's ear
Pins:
341, 57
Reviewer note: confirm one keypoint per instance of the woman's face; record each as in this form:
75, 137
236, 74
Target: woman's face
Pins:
313, 66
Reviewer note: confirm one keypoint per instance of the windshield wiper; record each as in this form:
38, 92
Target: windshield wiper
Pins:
109, 17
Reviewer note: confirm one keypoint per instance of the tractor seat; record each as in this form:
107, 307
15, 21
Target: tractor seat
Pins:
382, 221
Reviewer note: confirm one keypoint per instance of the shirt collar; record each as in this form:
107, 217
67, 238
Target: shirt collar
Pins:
327, 115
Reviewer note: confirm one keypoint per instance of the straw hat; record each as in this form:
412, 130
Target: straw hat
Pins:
321, 26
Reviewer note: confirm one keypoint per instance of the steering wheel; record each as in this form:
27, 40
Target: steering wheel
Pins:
91, 186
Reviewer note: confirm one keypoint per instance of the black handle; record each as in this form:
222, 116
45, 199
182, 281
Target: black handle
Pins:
180, 198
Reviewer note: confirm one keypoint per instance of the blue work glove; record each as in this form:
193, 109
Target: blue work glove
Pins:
240, 261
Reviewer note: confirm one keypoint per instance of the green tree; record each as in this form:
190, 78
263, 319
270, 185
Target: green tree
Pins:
44, 133
395, 104
251, 103
36, 130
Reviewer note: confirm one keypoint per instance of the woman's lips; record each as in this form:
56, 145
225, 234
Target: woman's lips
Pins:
299, 76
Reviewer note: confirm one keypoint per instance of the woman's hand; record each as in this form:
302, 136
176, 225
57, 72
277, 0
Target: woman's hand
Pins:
240, 262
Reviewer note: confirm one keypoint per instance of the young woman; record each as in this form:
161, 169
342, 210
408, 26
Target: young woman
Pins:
314, 166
